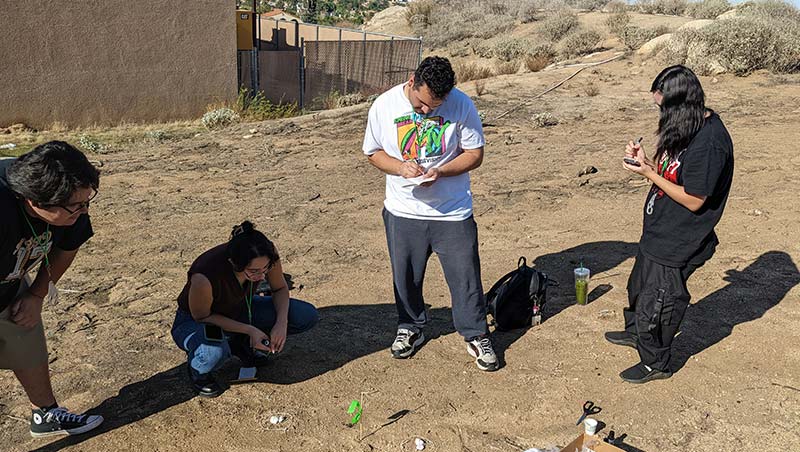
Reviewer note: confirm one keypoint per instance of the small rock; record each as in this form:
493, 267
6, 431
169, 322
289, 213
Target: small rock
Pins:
8, 146
588, 170
254, 131
275, 419
247, 137
419, 443
714, 80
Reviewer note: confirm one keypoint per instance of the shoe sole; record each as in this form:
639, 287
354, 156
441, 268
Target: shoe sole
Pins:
74, 431
405, 354
658, 376
481, 365
623, 342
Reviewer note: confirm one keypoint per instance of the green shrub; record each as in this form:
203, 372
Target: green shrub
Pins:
258, 108
669, 7
90, 144
545, 119
579, 43
617, 22
511, 48
219, 118
633, 37
708, 9
558, 24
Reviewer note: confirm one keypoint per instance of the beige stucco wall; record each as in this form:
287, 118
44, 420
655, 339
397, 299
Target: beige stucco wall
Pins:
110, 61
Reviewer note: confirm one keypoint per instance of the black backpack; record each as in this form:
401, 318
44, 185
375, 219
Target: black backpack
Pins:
517, 299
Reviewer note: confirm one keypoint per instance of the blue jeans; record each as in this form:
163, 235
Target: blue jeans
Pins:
205, 356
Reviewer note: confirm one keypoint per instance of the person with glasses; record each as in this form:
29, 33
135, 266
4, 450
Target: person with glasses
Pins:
219, 313
44, 201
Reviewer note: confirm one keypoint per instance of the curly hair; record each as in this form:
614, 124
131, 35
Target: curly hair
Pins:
437, 73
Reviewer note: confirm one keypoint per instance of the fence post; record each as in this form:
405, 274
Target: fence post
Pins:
254, 71
364, 61
339, 59
302, 72
389, 59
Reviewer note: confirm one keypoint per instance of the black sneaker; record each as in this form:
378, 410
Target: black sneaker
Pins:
59, 421
642, 373
481, 349
622, 338
204, 384
406, 342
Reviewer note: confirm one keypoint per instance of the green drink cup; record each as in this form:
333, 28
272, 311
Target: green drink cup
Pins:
582, 285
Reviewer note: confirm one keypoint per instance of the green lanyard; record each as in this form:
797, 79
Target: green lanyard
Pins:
249, 301
43, 243
664, 165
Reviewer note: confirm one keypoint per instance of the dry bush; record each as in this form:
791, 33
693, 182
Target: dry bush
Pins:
454, 20
588, 5
480, 87
669, 7
471, 71
418, 14
579, 42
536, 63
616, 7
507, 67
633, 37
558, 23
617, 22
511, 48
769, 9
591, 90
707, 9
545, 119
740, 46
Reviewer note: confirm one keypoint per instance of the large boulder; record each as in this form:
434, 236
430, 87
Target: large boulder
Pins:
696, 24
652, 46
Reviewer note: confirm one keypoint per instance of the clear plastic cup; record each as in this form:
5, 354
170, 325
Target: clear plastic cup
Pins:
582, 285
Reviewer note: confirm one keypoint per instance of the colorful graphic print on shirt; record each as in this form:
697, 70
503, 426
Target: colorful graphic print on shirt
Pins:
421, 139
30, 253
668, 169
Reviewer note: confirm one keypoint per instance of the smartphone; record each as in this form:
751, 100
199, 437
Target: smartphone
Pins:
213, 333
631, 161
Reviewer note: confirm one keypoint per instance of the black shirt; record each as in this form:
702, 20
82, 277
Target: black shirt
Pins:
20, 251
672, 234
228, 296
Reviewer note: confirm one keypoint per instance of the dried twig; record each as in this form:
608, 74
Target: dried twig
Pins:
522, 104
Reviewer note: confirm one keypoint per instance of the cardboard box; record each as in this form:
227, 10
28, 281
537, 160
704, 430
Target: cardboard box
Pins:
593, 442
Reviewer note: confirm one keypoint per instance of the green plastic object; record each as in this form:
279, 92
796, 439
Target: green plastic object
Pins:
355, 409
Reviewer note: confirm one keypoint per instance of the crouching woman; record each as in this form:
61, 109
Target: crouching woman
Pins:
219, 314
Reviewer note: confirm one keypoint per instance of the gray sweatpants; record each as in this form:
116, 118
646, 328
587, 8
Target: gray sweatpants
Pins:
411, 243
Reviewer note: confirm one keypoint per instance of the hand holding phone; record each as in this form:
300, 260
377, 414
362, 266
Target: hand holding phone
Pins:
630, 160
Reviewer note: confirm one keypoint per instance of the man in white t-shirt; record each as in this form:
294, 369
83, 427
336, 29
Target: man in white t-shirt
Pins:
426, 136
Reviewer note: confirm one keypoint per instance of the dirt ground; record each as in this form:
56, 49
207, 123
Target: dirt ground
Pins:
306, 184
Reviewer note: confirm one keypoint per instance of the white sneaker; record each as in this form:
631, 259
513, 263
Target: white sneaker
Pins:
481, 349
406, 342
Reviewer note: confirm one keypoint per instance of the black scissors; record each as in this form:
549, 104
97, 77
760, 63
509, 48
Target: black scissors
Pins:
588, 409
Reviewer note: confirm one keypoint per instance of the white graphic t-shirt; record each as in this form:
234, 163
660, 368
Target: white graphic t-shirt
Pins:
431, 140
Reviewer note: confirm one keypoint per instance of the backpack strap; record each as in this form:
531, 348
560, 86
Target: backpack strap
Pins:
499, 283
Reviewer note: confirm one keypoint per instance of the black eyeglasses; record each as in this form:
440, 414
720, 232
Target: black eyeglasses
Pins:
77, 206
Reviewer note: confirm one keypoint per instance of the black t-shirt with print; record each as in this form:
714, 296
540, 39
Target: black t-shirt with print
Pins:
20, 251
672, 234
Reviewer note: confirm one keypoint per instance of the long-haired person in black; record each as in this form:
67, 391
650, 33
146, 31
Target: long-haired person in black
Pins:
691, 172
219, 313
